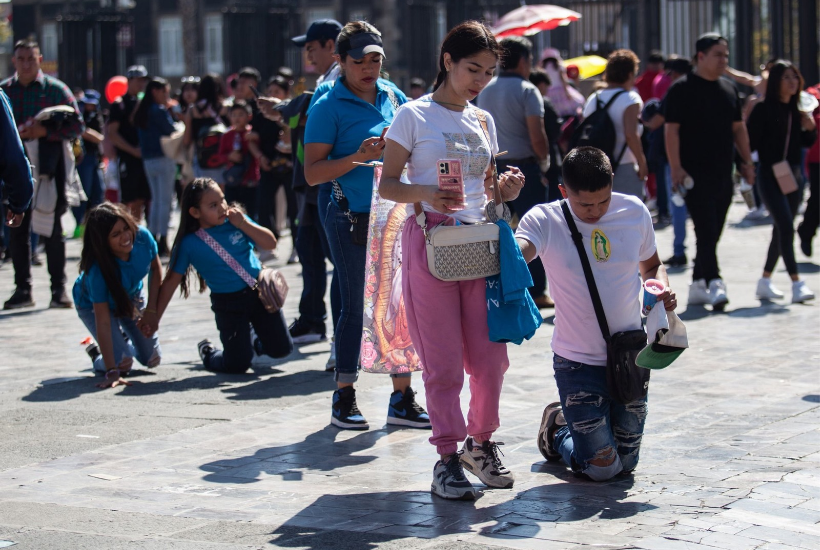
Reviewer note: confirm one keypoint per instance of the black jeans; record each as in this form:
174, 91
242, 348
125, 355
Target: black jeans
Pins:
235, 312
312, 246
811, 219
20, 246
708, 203
532, 194
783, 209
269, 185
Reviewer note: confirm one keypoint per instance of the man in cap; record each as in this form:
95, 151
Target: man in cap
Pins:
703, 127
595, 435
320, 45
134, 189
30, 91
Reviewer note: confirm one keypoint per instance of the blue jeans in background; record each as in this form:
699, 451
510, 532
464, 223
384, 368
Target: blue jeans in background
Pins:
160, 172
349, 261
92, 179
128, 340
679, 215
323, 200
598, 428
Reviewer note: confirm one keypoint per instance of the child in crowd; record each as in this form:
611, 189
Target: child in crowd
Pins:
236, 305
241, 176
109, 293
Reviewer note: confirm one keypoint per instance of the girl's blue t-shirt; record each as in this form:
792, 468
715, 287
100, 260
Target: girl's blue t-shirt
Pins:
217, 273
344, 120
90, 287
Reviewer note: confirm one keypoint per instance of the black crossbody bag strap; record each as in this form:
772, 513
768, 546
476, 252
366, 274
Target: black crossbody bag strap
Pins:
593, 288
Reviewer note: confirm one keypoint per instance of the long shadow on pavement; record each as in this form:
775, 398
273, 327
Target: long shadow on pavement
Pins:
368, 519
319, 452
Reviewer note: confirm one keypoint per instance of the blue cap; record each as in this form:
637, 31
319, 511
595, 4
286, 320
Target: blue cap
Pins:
92, 97
323, 29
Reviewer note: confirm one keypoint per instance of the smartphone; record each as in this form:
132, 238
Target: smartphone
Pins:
255, 91
384, 131
450, 179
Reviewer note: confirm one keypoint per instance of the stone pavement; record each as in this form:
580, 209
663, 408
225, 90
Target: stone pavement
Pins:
186, 459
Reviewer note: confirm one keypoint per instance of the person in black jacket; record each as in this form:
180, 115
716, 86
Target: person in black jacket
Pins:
777, 126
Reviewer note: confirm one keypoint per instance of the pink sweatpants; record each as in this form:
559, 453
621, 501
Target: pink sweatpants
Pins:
448, 325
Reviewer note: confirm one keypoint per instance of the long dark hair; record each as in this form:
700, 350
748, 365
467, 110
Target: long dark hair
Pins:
96, 250
776, 72
210, 90
191, 197
465, 40
141, 112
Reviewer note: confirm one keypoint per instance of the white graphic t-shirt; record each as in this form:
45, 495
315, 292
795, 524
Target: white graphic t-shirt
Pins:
432, 133
615, 245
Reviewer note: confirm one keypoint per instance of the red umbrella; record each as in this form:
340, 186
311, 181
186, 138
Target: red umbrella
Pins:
528, 20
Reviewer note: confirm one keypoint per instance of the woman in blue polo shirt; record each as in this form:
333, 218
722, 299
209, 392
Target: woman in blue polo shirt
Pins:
109, 293
344, 128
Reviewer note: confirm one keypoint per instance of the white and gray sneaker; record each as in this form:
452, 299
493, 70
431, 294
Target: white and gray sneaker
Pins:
483, 462
450, 482
698, 293
766, 290
717, 294
801, 293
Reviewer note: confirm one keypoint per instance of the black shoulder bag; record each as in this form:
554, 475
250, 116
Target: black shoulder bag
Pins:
626, 381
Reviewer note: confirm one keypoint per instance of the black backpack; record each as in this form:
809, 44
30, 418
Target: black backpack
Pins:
597, 130
207, 145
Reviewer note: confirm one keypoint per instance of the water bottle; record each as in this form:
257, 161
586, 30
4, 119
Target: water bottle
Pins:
237, 142
679, 194
747, 194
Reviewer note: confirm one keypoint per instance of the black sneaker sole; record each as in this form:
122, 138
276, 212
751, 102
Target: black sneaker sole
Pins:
543, 446
394, 421
468, 495
348, 425
18, 306
308, 338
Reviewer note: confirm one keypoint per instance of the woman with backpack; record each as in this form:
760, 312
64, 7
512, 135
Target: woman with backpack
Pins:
204, 128
623, 106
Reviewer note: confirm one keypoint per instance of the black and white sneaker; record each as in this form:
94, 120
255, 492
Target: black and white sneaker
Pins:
345, 413
205, 348
450, 482
484, 463
302, 332
552, 420
404, 410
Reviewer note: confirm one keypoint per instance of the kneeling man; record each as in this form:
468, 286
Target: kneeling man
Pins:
595, 435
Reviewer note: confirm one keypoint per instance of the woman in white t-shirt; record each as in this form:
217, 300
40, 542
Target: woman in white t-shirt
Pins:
448, 320
625, 111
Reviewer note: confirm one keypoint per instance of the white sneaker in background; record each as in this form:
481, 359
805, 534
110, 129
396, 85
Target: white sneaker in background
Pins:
717, 294
801, 293
767, 291
698, 293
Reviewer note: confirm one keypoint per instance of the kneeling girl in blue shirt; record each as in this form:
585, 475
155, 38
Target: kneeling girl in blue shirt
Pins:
110, 295
236, 306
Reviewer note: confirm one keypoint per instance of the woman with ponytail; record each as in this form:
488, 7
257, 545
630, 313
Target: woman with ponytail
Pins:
448, 320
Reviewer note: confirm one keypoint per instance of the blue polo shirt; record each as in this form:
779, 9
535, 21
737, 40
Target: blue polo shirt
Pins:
90, 287
344, 120
217, 274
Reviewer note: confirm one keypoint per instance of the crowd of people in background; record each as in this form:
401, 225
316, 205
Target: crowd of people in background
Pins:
189, 176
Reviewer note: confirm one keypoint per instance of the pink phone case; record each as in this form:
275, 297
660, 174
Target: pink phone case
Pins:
450, 178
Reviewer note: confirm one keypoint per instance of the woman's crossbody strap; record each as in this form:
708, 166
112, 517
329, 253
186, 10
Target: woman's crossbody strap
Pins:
226, 257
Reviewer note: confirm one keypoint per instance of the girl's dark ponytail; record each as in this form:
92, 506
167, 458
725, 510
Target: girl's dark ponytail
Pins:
191, 197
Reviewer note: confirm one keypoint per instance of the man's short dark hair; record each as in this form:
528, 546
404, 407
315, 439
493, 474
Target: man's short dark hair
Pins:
680, 65
656, 56
587, 169
540, 76
514, 48
242, 105
250, 72
26, 44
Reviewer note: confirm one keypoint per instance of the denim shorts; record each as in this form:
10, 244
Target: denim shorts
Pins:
598, 429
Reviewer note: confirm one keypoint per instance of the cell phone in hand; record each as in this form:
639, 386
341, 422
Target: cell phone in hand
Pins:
255, 91
450, 179
384, 132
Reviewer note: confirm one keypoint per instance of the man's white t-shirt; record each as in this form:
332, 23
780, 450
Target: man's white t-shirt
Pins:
432, 133
615, 245
616, 113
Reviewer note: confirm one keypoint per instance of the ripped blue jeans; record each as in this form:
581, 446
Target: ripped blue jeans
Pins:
602, 438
